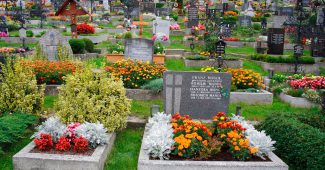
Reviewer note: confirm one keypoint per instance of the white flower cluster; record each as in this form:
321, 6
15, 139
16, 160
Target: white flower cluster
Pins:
257, 139
95, 133
52, 126
159, 139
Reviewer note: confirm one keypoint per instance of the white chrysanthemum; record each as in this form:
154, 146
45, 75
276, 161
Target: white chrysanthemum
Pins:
95, 133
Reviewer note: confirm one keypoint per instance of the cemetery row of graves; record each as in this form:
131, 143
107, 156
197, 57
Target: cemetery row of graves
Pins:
176, 84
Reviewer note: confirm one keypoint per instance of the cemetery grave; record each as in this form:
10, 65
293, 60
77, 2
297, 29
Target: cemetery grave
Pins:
112, 84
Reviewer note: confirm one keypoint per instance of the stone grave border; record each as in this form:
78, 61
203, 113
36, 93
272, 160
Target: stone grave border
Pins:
299, 102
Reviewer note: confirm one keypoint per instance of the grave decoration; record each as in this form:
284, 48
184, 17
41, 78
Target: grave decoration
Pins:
140, 24
275, 41
187, 92
72, 8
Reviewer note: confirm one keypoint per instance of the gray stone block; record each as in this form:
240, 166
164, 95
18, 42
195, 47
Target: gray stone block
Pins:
144, 163
24, 160
264, 97
140, 94
297, 101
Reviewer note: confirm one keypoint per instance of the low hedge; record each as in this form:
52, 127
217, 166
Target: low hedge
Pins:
281, 59
300, 145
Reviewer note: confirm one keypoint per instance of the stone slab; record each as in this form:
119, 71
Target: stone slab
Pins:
286, 67
144, 163
299, 102
264, 97
140, 94
24, 160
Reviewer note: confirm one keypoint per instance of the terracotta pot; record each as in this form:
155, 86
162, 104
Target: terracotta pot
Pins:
159, 58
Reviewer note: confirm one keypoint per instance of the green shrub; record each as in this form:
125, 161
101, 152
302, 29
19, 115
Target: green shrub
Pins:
159, 5
127, 35
29, 33
77, 45
115, 48
174, 15
300, 145
19, 91
154, 85
257, 26
158, 48
13, 26
13, 126
295, 92
282, 59
231, 58
89, 45
93, 97
197, 57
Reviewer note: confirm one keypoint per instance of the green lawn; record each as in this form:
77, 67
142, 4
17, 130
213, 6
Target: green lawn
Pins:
4, 44
124, 155
141, 108
179, 65
251, 65
241, 50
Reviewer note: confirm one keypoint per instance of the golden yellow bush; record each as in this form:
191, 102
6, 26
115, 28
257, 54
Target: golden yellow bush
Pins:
18, 90
93, 97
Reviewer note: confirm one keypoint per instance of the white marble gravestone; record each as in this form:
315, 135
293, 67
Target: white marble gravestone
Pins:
161, 26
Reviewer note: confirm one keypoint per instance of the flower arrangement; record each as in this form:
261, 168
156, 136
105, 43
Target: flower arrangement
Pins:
7, 50
51, 72
3, 34
313, 82
135, 74
54, 135
160, 37
175, 27
85, 29
245, 79
231, 39
180, 136
231, 13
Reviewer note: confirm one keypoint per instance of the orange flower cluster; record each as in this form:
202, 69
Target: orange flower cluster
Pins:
50, 72
7, 50
244, 79
135, 74
233, 133
190, 137
231, 13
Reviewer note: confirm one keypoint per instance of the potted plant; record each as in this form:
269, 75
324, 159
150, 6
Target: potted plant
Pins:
115, 53
159, 53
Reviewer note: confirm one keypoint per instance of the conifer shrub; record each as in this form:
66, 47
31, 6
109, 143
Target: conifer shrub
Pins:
92, 97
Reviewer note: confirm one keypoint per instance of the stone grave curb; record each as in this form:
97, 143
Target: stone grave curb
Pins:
299, 102
145, 164
264, 97
24, 160
286, 67
205, 63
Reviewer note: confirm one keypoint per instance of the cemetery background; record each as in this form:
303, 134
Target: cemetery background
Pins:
109, 37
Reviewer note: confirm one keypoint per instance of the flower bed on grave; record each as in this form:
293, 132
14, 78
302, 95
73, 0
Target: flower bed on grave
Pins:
285, 63
72, 146
226, 143
299, 90
246, 86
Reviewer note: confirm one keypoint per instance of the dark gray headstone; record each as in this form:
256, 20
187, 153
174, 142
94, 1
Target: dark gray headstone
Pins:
193, 17
287, 11
298, 50
198, 94
162, 11
245, 21
148, 7
275, 41
139, 49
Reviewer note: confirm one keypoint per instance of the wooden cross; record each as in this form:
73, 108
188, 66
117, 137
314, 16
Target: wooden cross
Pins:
72, 8
140, 24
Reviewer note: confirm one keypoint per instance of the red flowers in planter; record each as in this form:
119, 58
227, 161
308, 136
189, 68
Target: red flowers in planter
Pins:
315, 83
80, 144
44, 142
63, 144
85, 29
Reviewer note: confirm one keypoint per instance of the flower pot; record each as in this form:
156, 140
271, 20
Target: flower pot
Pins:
113, 58
159, 58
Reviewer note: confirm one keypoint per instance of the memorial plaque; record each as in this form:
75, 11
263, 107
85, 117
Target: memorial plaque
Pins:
193, 16
287, 11
275, 41
139, 49
200, 95
298, 50
245, 21
220, 47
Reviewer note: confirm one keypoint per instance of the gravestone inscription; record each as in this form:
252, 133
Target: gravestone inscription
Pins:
50, 42
161, 26
200, 95
162, 11
287, 11
139, 49
298, 50
193, 18
275, 41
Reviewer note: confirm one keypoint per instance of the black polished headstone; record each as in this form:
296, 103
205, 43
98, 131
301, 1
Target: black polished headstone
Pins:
275, 41
193, 17
198, 94
220, 47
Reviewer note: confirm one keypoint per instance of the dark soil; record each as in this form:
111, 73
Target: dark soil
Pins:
70, 152
224, 155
